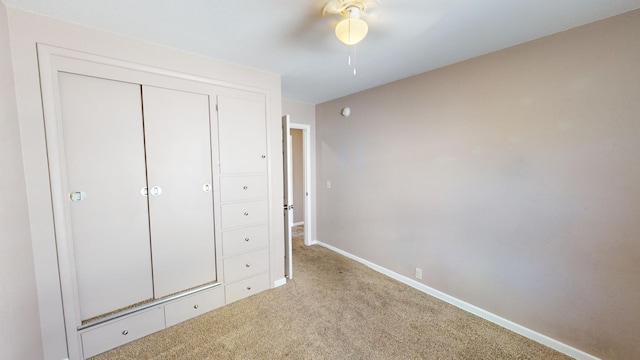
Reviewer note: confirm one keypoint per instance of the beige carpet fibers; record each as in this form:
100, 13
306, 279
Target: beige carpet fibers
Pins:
335, 308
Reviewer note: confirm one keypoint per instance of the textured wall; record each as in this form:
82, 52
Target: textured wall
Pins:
512, 180
19, 332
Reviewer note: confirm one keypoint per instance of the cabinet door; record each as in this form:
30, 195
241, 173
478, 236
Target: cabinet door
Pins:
105, 168
242, 134
178, 145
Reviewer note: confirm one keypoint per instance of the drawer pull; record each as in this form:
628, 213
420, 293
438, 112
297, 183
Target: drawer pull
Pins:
264, 156
195, 306
248, 265
245, 187
246, 213
246, 239
125, 332
248, 287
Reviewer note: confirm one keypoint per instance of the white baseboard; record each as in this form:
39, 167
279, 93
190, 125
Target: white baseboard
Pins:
279, 282
519, 329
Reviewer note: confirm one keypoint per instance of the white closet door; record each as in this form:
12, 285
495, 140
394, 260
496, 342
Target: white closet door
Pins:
105, 168
242, 134
178, 149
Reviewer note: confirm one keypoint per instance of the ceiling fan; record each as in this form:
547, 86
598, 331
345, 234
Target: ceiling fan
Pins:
352, 28
355, 15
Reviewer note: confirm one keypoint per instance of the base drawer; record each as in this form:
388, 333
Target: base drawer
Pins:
244, 214
244, 266
121, 331
193, 305
236, 188
247, 287
244, 239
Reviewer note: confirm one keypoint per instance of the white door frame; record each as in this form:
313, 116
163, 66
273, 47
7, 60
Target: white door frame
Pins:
306, 154
288, 195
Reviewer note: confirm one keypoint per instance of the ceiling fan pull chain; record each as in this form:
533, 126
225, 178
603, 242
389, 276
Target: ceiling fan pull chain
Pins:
354, 60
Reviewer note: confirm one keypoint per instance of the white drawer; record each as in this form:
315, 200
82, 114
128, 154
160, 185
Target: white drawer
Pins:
247, 265
243, 214
247, 287
244, 239
121, 331
234, 188
193, 305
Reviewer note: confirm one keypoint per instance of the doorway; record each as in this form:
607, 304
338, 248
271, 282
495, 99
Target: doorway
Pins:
297, 180
301, 181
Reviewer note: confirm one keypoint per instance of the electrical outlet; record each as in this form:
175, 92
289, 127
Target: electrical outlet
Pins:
328, 184
418, 273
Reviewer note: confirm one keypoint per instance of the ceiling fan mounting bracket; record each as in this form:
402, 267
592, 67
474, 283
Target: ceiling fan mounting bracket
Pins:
350, 4
342, 6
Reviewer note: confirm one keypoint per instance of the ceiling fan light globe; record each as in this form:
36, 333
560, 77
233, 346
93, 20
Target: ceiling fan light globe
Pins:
351, 30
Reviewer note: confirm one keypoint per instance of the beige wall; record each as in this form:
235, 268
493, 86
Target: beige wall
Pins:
27, 29
297, 164
512, 180
302, 113
19, 332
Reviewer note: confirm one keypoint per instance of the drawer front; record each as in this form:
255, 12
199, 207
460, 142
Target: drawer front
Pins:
193, 305
247, 287
121, 331
236, 188
247, 265
243, 214
244, 239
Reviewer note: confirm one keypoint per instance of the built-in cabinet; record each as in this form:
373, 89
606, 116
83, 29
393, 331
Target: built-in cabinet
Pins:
243, 195
160, 195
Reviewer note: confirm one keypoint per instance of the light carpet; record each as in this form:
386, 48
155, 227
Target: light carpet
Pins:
335, 308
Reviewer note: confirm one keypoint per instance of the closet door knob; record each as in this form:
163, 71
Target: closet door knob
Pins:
195, 306
248, 265
248, 287
246, 239
246, 214
206, 187
156, 191
125, 332
245, 187
144, 191
77, 196
264, 156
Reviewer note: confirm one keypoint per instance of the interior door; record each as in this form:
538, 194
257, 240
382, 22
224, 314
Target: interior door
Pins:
104, 160
288, 196
178, 147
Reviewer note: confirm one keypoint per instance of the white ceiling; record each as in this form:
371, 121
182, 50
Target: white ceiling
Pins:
292, 38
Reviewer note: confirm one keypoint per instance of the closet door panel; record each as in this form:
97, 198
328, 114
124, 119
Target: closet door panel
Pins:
104, 159
242, 134
178, 149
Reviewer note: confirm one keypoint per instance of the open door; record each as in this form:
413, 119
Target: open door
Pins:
288, 196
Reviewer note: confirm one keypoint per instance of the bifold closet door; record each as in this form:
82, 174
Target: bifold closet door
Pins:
104, 163
178, 148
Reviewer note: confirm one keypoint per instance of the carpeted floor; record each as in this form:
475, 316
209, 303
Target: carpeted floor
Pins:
335, 308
